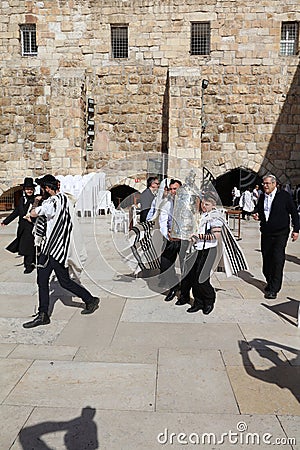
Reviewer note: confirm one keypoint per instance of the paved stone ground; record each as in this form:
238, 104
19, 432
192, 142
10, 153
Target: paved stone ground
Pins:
140, 371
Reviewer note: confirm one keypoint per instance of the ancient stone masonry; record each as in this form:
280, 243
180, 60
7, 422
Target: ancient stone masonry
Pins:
150, 101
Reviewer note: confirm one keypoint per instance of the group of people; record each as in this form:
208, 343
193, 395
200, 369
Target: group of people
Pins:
198, 253
46, 227
246, 201
275, 209
44, 237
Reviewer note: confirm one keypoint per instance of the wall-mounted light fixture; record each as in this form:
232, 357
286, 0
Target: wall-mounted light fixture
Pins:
204, 85
90, 123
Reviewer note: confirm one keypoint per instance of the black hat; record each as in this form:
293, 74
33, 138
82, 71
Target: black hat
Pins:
48, 180
28, 183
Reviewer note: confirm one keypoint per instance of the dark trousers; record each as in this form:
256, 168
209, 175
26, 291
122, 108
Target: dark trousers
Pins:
273, 254
198, 278
143, 215
62, 273
246, 214
172, 249
29, 260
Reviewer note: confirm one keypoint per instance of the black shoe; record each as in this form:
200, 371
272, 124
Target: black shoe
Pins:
182, 301
271, 295
91, 306
196, 307
29, 269
171, 295
208, 309
41, 319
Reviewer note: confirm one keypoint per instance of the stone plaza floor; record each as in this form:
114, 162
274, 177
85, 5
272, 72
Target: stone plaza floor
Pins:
141, 373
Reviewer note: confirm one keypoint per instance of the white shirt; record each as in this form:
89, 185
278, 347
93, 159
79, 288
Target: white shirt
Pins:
204, 229
236, 192
246, 202
165, 218
152, 209
47, 209
268, 203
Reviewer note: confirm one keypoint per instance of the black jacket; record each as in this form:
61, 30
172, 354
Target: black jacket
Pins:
283, 209
24, 242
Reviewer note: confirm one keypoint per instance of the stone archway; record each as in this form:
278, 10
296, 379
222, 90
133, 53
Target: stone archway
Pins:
255, 163
239, 177
124, 195
126, 191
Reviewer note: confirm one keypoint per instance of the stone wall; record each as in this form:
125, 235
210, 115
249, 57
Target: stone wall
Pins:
150, 102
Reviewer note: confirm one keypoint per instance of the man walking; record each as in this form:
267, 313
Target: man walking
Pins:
55, 215
247, 204
275, 210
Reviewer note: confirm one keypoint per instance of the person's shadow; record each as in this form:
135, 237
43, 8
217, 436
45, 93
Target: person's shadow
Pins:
274, 374
285, 309
292, 258
59, 293
250, 279
81, 433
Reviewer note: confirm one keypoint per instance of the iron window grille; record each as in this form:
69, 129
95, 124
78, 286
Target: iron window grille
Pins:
28, 40
119, 41
289, 38
200, 38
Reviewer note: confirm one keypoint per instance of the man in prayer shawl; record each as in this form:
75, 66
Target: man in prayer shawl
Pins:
55, 229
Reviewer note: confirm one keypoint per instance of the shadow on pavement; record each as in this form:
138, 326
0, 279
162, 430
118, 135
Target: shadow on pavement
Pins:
249, 278
285, 309
277, 373
58, 293
293, 259
80, 433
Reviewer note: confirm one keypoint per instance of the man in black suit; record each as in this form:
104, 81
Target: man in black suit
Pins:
24, 242
275, 210
147, 197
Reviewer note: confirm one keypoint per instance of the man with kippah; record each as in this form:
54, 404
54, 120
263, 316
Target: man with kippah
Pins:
276, 211
54, 217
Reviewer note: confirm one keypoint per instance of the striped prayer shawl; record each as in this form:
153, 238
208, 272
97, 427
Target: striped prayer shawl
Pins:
233, 251
232, 255
143, 248
39, 230
58, 242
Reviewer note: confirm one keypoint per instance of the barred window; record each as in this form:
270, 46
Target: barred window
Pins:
200, 38
28, 40
289, 38
119, 41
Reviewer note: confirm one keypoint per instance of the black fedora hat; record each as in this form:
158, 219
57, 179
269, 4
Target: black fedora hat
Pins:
47, 180
28, 183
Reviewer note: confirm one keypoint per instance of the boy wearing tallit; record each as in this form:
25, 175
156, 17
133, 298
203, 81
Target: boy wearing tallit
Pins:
213, 243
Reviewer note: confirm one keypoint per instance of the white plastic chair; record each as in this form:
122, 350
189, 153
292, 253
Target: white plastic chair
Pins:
134, 215
119, 219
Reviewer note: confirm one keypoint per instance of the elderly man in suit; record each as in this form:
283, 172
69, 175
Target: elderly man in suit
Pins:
275, 210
